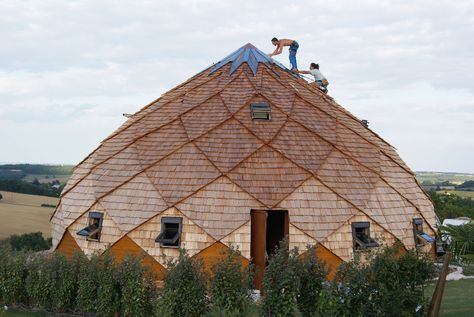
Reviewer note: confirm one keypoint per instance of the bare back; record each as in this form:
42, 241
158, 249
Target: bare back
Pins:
285, 42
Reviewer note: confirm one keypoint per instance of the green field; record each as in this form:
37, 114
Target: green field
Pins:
439, 177
461, 193
21, 213
458, 298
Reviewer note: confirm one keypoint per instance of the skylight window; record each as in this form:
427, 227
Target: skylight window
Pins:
92, 231
261, 111
170, 231
361, 236
421, 238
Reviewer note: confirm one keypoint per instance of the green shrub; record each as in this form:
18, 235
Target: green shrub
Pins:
12, 276
281, 282
39, 281
64, 282
33, 241
108, 290
184, 292
87, 277
251, 310
231, 283
312, 275
388, 285
135, 287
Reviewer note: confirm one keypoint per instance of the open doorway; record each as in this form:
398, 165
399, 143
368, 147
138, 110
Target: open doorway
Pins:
268, 228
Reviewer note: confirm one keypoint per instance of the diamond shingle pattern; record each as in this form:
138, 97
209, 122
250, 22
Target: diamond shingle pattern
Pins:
316, 209
265, 130
348, 178
268, 176
205, 117
279, 94
115, 171
228, 144
138, 197
237, 93
182, 173
219, 208
160, 143
358, 148
301, 146
315, 120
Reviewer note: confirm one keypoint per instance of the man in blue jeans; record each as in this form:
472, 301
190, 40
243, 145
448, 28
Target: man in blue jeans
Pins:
293, 48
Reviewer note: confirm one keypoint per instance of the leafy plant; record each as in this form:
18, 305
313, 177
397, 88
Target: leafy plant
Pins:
231, 282
281, 282
184, 292
312, 275
108, 289
461, 239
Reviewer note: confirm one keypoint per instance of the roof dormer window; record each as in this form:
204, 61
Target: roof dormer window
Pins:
261, 111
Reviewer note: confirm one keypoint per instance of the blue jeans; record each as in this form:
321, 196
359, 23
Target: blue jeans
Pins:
293, 49
322, 86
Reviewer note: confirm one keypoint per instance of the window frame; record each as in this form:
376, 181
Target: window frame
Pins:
359, 245
259, 108
92, 228
163, 241
421, 238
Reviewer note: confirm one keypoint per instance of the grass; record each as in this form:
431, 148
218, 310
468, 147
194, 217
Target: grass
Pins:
461, 193
22, 213
437, 177
457, 298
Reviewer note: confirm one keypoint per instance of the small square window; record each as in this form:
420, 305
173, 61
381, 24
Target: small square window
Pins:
361, 236
261, 111
421, 238
170, 234
92, 231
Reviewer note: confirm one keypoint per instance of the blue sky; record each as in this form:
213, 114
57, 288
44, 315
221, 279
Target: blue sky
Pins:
69, 69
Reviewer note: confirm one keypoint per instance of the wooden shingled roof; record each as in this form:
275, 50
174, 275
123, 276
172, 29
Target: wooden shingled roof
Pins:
197, 150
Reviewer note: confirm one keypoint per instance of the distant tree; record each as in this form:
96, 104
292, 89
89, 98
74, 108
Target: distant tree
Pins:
467, 184
36, 182
33, 241
1, 197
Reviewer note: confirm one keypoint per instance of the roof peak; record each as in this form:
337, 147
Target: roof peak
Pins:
249, 54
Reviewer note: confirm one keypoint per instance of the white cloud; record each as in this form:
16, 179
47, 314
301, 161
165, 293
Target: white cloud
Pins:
78, 65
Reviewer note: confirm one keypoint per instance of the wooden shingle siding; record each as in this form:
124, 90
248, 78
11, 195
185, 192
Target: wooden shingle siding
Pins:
220, 207
193, 238
139, 198
110, 232
316, 210
196, 153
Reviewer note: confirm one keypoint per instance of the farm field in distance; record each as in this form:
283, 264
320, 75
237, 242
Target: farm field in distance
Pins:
461, 193
438, 177
22, 213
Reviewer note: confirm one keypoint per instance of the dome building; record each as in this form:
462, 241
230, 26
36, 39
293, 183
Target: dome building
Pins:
242, 154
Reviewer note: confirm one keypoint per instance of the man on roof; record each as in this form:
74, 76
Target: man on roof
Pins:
293, 48
319, 78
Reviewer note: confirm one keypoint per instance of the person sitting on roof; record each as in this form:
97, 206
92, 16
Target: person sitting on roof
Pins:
319, 78
293, 48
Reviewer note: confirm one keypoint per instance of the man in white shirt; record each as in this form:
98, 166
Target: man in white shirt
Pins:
319, 78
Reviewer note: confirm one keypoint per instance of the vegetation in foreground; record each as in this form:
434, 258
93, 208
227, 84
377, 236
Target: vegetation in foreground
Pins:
388, 285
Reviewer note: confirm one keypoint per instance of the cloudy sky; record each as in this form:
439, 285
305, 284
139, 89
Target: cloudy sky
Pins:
69, 69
